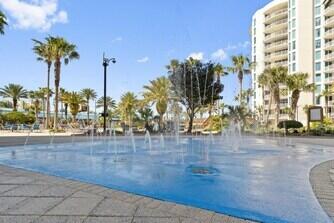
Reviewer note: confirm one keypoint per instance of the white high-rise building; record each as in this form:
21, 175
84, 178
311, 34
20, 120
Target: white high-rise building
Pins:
298, 34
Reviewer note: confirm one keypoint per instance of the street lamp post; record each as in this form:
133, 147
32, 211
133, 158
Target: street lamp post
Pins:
106, 62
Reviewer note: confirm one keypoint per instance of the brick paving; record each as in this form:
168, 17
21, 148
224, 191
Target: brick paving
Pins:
28, 197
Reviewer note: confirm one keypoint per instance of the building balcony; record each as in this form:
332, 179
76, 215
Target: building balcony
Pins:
278, 15
329, 11
276, 26
277, 46
329, 57
278, 56
329, 23
329, 45
329, 34
281, 35
277, 64
329, 80
329, 68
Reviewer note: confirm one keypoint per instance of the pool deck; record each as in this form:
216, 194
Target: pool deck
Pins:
29, 197
322, 181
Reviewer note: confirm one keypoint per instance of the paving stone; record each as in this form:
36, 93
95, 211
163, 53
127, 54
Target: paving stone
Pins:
226, 219
82, 194
17, 219
15, 180
147, 212
111, 207
155, 220
5, 188
26, 190
108, 220
59, 219
7, 202
34, 206
75, 206
57, 191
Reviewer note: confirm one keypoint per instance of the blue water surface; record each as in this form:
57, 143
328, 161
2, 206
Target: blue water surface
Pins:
264, 180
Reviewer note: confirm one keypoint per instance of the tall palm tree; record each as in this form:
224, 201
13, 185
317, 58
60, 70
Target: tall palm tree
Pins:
64, 51
111, 103
88, 94
297, 83
326, 93
44, 53
15, 92
158, 93
264, 82
241, 65
74, 100
128, 106
3, 22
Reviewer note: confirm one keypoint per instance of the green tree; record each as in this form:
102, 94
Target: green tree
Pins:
241, 65
44, 52
15, 92
88, 94
297, 83
111, 103
158, 93
74, 100
127, 106
63, 98
36, 97
3, 23
326, 93
62, 51
194, 85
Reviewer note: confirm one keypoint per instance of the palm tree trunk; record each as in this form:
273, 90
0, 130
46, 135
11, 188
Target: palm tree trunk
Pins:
191, 120
161, 122
278, 106
326, 107
66, 110
57, 81
240, 76
14, 104
87, 112
294, 102
47, 124
269, 109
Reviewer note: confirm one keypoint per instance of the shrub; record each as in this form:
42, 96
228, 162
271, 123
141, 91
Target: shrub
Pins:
18, 118
289, 124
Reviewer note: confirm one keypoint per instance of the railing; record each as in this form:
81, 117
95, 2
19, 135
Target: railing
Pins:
277, 34
329, 44
277, 44
329, 56
272, 15
330, 20
329, 32
282, 21
329, 79
329, 68
329, 8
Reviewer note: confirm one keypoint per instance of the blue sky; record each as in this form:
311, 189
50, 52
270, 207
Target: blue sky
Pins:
143, 36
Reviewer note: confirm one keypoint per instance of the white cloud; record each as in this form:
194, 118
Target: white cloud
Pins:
117, 39
143, 60
196, 56
34, 14
244, 44
220, 54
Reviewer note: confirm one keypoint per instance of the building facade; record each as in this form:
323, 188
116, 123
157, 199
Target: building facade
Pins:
297, 34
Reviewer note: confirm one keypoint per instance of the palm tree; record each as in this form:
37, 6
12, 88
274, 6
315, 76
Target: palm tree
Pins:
63, 100
264, 82
74, 100
3, 22
241, 65
44, 53
111, 103
158, 93
128, 105
62, 50
88, 94
15, 92
297, 83
326, 94
36, 96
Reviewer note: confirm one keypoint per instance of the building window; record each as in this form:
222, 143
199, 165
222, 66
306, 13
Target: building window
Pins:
293, 12
317, 77
318, 44
318, 55
318, 89
318, 66
294, 23
294, 34
317, 100
317, 10
317, 33
293, 56
317, 21
293, 45
293, 67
